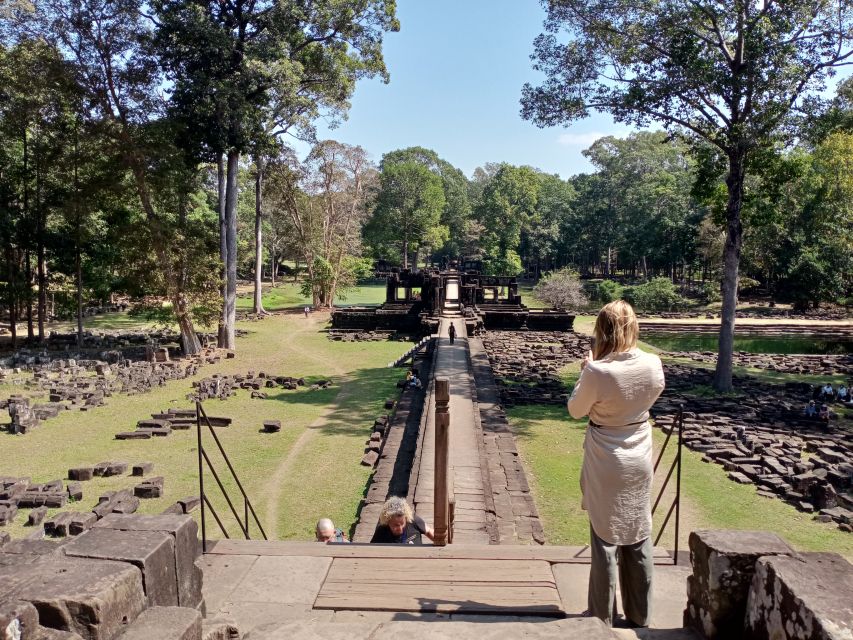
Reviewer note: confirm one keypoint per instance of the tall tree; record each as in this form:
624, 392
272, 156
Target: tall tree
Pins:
456, 215
244, 69
108, 46
732, 75
326, 202
408, 211
507, 205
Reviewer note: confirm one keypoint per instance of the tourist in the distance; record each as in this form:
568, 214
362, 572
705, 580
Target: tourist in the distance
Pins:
842, 393
617, 386
325, 531
415, 382
399, 525
823, 414
827, 393
451, 332
811, 409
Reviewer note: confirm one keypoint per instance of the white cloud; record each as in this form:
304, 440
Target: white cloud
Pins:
581, 139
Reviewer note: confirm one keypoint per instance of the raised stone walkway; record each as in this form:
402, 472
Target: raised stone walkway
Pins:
470, 524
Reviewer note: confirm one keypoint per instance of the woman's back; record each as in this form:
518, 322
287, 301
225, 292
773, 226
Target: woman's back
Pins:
619, 389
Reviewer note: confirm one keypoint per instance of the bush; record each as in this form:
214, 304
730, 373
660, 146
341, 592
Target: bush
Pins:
608, 291
561, 289
711, 292
659, 294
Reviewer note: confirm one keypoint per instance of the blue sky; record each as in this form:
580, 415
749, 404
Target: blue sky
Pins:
457, 68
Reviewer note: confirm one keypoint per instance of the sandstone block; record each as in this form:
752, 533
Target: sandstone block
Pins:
166, 623
142, 469
75, 490
81, 473
36, 516
802, 598
184, 530
723, 566
91, 598
152, 551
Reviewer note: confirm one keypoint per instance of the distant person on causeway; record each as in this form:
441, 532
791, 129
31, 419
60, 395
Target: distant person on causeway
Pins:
398, 524
451, 332
617, 386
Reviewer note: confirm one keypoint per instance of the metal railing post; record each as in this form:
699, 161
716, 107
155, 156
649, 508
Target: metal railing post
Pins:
678, 480
442, 428
202, 497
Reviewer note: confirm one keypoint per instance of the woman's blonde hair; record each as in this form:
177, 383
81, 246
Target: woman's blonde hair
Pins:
393, 508
616, 329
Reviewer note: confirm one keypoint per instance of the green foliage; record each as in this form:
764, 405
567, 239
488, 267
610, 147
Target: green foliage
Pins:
408, 211
659, 294
608, 291
507, 204
711, 292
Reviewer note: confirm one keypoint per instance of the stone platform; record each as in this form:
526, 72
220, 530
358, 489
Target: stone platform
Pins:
308, 590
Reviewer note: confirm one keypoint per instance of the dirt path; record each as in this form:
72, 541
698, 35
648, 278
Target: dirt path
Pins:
276, 480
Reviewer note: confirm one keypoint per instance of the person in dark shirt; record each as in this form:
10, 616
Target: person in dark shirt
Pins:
451, 332
399, 525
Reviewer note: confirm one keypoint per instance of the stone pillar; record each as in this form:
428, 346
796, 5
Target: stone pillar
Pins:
723, 567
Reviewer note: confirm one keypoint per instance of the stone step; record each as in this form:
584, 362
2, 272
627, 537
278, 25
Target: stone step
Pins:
165, 623
586, 628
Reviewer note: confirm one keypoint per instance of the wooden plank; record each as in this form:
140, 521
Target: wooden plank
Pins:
443, 570
552, 554
441, 598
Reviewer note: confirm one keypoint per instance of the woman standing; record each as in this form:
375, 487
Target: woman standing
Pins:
617, 386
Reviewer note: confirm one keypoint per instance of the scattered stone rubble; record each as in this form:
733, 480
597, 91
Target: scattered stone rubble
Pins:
225, 386
761, 437
781, 363
526, 364
378, 335
21, 493
83, 385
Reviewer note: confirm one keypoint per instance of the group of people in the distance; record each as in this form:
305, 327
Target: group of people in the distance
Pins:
618, 385
822, 396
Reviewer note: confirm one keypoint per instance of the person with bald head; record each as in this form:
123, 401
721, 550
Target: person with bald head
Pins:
325, 531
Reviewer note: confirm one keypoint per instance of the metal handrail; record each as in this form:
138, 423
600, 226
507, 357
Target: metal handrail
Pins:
675, 506
203, 458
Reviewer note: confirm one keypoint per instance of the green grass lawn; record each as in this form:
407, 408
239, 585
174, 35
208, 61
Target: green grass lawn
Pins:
309, 470
288, 296
551, 445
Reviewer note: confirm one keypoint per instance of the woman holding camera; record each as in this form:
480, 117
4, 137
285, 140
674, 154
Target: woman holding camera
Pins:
617, 386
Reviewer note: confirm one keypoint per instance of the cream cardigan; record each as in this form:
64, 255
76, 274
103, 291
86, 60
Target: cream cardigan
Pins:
616, 478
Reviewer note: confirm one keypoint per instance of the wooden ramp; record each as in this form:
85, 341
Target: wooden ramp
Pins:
519, 587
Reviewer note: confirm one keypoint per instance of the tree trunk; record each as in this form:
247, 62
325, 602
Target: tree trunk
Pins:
231, 246
40, 257
405, 252
78, 270
13, 318
259, 218
731, 260
273, 266
223, 246
29, 277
